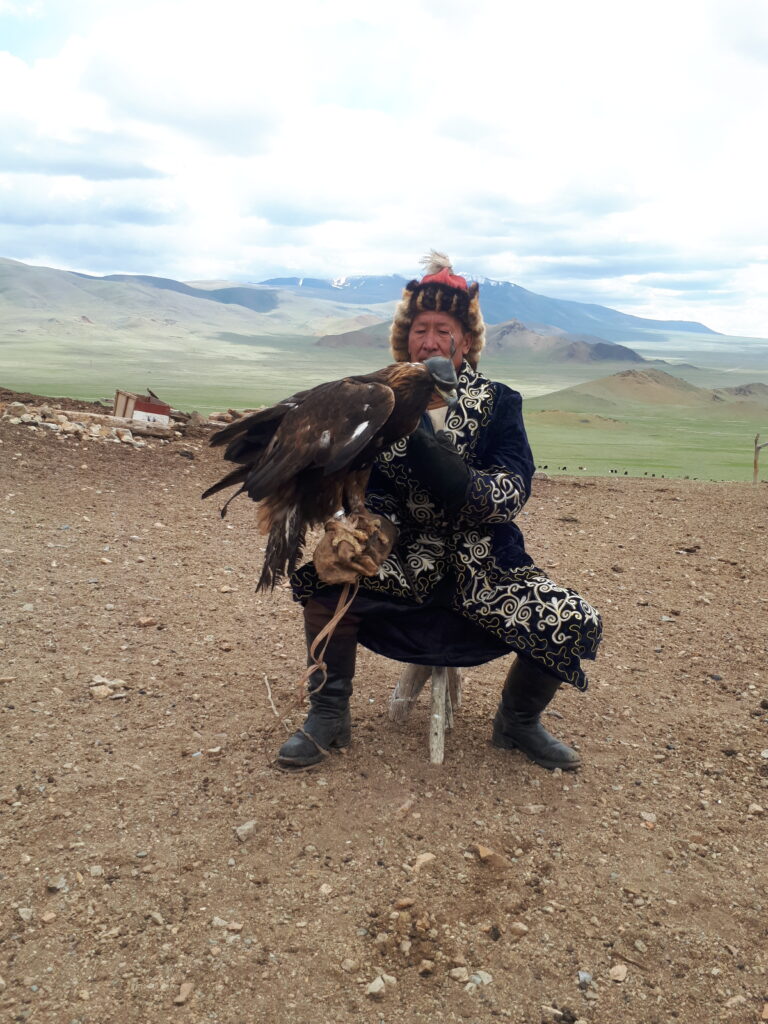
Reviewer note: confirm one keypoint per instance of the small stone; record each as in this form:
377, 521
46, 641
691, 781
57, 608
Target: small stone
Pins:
585, 979
755, 809
426, 967
551, 1015
101, 692
640, 946
349, 966
648, 816
96, 870
459, 974
490, 857
219, 922
518, 929
57, 884
403, 903
234, 926
25, 858
246, 830
534, 808
376, 989
157, 917
735, 1001
145, 621
325, 889
481, 978
48, 917
185, 991
618, 972
389, 979
226, 589
422, 860
25, 913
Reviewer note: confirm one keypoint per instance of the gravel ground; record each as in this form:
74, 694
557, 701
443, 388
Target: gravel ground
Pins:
138, 735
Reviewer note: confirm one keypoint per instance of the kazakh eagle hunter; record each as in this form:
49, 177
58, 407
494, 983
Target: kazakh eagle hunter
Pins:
311, 454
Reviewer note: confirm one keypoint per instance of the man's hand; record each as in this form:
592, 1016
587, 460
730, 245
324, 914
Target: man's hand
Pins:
436, 462
354, 546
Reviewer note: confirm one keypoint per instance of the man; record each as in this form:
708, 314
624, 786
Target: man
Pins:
458, 588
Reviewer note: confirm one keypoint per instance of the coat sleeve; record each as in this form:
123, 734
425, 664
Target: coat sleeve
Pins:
502, 471
382, 499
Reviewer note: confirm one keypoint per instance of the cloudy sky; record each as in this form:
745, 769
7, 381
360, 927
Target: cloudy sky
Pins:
599, 150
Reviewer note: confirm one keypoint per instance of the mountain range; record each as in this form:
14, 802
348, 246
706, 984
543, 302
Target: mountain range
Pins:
49, 300
501, 301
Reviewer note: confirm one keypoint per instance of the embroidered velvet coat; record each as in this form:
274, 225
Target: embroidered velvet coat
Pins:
480, 549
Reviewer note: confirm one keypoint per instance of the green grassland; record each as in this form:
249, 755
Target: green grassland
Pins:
671, 442
210, 371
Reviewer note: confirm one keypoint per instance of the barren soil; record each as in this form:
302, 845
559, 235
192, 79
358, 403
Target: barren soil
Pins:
123, 882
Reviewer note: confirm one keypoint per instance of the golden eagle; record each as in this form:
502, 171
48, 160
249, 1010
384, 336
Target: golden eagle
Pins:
311, 454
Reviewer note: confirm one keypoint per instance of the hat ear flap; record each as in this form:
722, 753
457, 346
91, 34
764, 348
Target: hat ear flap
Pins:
476, 326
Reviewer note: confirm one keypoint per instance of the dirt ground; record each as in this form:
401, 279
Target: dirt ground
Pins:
138, 734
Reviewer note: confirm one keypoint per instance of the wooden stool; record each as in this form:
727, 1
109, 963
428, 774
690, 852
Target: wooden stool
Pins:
446, 696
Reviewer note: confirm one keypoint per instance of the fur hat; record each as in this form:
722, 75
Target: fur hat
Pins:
441, 291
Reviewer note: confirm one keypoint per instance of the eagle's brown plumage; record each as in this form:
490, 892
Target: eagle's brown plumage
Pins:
311, 454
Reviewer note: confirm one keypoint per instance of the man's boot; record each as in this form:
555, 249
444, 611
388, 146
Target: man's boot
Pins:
528, 689
329, 723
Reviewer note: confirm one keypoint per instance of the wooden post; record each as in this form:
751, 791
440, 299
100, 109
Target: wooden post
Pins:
758, 446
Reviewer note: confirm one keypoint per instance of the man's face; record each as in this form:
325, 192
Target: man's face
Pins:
430, 335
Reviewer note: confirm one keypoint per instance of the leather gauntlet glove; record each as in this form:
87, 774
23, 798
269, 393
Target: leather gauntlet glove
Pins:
438, 465
354, 546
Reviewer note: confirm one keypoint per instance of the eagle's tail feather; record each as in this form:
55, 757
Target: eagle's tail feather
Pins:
236, 476
284, 544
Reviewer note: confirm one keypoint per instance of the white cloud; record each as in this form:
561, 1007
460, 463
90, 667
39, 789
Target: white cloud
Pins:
579, 149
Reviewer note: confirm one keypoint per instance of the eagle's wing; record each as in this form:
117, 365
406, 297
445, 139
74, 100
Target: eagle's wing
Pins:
250, 435
326, 430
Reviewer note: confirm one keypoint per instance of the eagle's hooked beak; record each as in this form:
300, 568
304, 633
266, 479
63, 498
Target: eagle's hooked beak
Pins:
449, 395
444, 377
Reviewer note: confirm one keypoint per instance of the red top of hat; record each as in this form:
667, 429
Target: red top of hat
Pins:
445, 276
439, 271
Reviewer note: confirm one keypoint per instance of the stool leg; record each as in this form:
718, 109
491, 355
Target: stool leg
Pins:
409, 686
438, 715
454, 687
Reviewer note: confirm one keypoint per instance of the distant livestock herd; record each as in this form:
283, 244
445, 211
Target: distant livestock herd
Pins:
625, 472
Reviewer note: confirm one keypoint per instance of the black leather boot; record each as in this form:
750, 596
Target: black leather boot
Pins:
528, 689
329, 723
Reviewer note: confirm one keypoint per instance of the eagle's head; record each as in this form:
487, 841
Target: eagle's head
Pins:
443, 374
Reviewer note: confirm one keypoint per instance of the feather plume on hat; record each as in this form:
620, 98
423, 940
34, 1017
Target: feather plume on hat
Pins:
434, 262
442, 291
